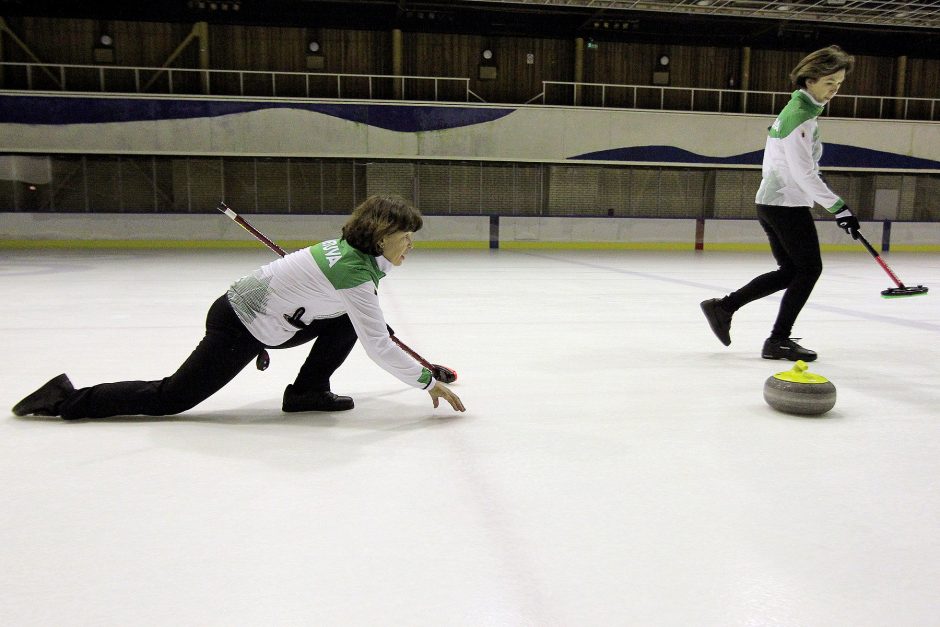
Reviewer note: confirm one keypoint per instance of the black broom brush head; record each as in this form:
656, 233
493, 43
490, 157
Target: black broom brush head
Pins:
902, 292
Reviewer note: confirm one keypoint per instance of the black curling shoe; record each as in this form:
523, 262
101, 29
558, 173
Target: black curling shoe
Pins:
45, 400
314, 401
719, 319
786, 349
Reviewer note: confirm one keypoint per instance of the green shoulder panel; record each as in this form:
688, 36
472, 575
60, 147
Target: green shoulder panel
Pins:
345, 266
798, 110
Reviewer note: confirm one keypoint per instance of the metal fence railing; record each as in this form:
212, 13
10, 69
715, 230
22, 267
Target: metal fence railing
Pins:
271, 84
727, 100
189, 81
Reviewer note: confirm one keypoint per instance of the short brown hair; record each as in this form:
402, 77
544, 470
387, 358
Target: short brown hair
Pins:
378, 216
821, 63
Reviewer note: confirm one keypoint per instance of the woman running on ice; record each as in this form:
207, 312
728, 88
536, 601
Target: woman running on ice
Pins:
791, 185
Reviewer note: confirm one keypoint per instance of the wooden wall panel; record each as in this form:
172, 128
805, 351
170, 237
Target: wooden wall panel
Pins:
923, 78
441, 54
357, 51
240, 47
149, 44
155, 43
145, 44
872, 76
635, 63
235, 47
770, 69
553, 60
712, 67
53, 41
620, 63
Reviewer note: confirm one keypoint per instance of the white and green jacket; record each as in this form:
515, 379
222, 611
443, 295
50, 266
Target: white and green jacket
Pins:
322, 281
791, 159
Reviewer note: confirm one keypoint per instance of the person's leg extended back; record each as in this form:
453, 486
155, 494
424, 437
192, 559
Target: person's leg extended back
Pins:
224, 351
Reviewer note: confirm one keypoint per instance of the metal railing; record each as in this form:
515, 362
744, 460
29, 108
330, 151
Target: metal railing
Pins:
270, 84
702, 99
188, 81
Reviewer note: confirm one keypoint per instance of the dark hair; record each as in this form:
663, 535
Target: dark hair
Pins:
378, 216
821, 63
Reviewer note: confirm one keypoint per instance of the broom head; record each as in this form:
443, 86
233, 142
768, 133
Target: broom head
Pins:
903, 291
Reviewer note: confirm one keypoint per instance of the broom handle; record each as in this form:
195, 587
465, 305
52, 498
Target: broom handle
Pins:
881, 262
240, 221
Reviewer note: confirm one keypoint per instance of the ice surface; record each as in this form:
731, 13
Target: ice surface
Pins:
616, 465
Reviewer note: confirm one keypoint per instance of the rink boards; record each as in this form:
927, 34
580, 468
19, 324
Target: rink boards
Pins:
63, 230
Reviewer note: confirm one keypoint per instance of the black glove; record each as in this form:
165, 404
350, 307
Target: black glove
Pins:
847, 222
443, 373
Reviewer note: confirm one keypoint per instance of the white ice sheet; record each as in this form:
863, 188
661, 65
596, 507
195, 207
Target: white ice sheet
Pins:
616, 465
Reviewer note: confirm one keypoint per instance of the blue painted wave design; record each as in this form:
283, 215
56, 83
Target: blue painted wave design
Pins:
847, 156
834, 155
668, 154
54, 110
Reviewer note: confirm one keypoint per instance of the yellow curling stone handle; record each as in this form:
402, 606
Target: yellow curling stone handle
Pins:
799, 374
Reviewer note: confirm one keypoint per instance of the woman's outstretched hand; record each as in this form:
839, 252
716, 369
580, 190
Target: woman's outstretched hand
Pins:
440, 391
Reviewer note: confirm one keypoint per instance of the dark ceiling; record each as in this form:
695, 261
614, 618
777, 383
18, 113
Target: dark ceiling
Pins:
538, 18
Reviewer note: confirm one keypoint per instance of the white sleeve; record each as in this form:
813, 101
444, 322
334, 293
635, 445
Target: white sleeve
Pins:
362, 306
798, 149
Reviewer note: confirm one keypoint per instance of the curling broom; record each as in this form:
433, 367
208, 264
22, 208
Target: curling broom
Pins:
892, 292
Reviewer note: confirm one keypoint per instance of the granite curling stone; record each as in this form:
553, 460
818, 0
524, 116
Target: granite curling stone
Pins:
800, 392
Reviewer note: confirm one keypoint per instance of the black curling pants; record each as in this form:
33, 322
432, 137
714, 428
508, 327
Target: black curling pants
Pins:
795, 245
224, 352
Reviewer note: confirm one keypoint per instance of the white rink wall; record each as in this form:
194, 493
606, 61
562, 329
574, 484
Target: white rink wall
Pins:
209, 229
640, 232
914, 234
58, 123
215, 230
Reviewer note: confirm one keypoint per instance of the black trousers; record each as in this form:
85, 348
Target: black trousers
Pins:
224, 352
795, 245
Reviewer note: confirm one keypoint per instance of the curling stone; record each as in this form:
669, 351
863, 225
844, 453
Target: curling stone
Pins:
797, 391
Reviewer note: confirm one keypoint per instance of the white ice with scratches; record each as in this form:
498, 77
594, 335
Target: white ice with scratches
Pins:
616, 465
